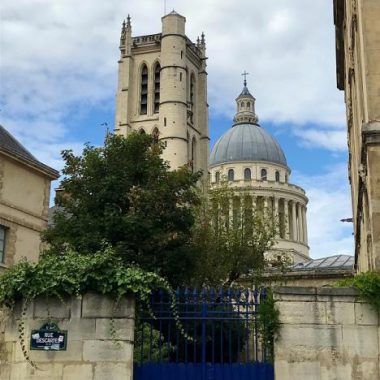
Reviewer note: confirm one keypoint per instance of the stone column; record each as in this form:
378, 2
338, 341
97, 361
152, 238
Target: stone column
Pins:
294, 221
276, 214
304, 224
300, 227
254, 203
286, 219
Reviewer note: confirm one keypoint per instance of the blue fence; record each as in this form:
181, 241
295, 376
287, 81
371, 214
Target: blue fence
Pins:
217, 337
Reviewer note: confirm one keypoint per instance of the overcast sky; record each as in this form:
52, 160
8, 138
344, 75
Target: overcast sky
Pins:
58, 68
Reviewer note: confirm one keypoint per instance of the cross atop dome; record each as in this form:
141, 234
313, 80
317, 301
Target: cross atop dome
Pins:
245, 77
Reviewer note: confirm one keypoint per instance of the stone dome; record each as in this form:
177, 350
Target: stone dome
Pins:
247, 142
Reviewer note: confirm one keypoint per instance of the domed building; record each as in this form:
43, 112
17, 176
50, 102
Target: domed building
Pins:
254, 165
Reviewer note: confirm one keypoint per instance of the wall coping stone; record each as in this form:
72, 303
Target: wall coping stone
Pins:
324, 291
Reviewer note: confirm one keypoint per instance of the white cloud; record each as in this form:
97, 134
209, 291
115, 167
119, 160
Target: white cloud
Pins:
62, 56
59, 63
329, 202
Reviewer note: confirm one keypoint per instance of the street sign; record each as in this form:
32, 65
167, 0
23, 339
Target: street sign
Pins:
48, 338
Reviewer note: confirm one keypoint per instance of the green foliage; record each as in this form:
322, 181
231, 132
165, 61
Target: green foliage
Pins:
369, 286
124, 194
150, 345
71, 274
268, 324
230, 238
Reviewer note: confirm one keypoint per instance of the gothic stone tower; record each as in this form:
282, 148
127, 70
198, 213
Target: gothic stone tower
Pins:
162, 90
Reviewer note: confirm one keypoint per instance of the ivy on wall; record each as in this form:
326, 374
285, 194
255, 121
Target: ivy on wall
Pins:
72, 274
368, 285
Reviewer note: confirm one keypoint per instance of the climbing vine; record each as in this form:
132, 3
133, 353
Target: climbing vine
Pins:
268, 323
72, 274
368, 285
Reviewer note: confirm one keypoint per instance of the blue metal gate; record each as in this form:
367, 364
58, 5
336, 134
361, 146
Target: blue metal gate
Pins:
217, 338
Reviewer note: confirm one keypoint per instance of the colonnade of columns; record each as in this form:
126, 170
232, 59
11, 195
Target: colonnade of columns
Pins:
290, 214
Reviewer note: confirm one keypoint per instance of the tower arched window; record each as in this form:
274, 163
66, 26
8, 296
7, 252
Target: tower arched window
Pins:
231, 175
248, 105
247, 174
263, 174
217, 177
277, 175
157, 73
144, 90
192, 97
193, 152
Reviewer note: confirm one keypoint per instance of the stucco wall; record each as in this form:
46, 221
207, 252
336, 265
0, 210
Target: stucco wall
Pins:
24, 203
326, 333
91, 351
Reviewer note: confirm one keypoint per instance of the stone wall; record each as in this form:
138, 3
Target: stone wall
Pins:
91, 353
326, 333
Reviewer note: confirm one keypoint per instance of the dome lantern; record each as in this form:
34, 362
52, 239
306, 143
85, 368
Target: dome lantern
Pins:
245, 106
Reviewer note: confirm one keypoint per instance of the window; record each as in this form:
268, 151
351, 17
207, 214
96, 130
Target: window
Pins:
2, 243
277, 176
247, 173
231, 175
193, 153
263, 174
181, 54
192, 85
217, 177
157, 73
141, 131
144, 91
164, 121
248, 105
286, 178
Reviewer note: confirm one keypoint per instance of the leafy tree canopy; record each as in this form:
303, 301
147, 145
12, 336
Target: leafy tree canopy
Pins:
230, 237
124, 195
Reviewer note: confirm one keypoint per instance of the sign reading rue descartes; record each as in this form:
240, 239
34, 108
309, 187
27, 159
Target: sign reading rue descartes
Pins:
49, 338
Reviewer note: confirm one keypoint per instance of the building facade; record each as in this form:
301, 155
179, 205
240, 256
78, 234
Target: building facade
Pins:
162, 90
24, 201
357, 29
252, 162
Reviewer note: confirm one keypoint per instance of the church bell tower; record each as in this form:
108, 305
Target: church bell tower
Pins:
162, 90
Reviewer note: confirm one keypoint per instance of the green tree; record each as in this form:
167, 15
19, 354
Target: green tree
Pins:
124, 194
231, 237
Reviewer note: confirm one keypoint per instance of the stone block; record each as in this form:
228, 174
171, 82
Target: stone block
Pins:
98, 306
47, 371
17, 311
78, 329
53, 307
5, 371
312, 337
114, 371
107, 351
361, 341
365, 314
337, 371
297, 370
78, 371
11, 332
76, 307
72, 354
340, 292
340, 313
124, 328
302, 312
